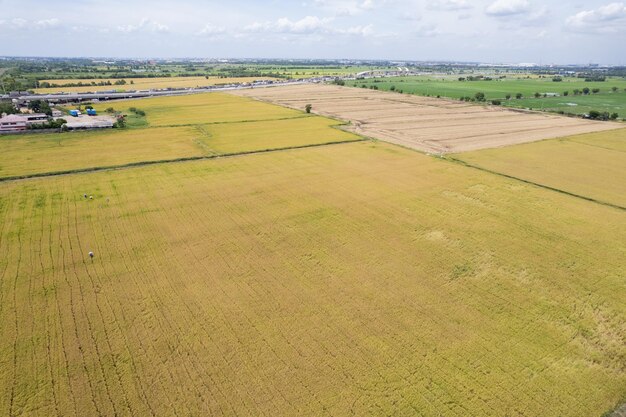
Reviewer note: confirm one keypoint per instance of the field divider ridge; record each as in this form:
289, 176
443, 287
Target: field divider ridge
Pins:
547, 187
175, 160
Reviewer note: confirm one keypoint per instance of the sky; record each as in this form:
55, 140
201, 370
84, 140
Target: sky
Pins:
495, 31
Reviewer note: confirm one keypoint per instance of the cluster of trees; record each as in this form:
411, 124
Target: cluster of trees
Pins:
477, 97
120, 122
476, 78
40, 106
82, 84
137, 111
8, 108
585, 91
50, 124
595, 78
596, 115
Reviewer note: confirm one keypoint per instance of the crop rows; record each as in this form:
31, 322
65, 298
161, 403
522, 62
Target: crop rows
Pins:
427, 124
590, 165
348, 280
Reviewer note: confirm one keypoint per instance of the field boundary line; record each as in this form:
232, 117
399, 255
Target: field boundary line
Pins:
299, 116
547, 187
170, 161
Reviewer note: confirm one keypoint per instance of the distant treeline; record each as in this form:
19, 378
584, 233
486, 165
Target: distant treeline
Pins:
82, 84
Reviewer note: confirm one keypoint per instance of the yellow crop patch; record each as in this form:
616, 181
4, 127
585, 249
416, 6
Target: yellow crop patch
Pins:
202, 109
591, 165
41, 153
357, 279
256, 136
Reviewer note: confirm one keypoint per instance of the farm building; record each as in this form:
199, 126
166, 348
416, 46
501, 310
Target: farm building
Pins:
17, 122
35, 118
12, 123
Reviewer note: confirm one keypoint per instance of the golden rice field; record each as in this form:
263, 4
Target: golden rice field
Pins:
348, 280
591, 165
355, 279
202, 109
37, 153
157, 83
257, 136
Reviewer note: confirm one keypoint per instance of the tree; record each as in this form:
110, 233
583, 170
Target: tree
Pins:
614, 116
479, 96
308, 108
614, 89
7, 107
537, 95
566, 93
40, 106
595, 90
586, 90
496, 102
508, 96
121, 122
576, 91
594, 114
557, 79
519, 96
392, 88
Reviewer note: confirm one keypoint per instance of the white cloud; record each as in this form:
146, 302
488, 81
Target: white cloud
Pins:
210, 31
450, 5
47, 23
508, 7
345, 7
22, 24
144, 25
605, 19
19, 22
427, 31
412, 17
306, 25
357, 31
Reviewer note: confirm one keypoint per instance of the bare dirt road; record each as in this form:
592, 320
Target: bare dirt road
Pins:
424, 123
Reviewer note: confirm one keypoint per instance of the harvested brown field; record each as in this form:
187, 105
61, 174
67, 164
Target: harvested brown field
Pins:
427, 124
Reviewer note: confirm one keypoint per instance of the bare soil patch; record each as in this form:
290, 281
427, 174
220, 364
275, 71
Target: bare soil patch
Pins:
424, 123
